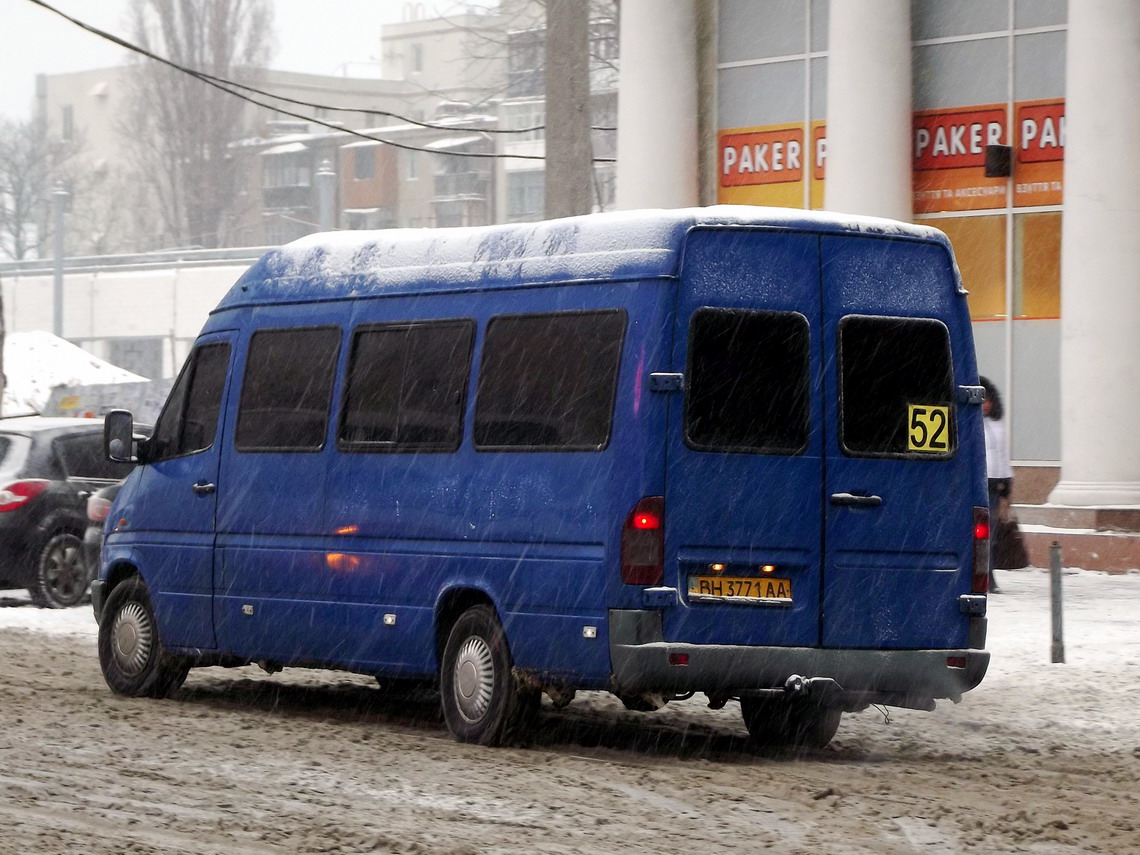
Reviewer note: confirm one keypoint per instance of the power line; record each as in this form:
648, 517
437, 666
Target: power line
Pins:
230, 87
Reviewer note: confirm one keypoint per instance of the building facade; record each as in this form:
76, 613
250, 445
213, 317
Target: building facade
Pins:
891, 107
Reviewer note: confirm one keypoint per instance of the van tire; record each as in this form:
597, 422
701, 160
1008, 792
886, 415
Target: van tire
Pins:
61, 578
131, 654
483, 702
792, 724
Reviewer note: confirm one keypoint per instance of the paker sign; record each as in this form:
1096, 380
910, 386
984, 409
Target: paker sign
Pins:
949, 140
761, 157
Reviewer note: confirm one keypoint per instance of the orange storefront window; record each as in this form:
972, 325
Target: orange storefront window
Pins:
1037, 265
979, 247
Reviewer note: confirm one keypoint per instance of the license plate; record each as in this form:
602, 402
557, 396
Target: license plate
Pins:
741, 589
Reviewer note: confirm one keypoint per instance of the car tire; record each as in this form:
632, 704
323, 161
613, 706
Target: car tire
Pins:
790, 724
131, 654
61, 578
483, 701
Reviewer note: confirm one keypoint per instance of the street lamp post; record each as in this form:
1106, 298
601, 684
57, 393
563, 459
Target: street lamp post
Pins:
59, 197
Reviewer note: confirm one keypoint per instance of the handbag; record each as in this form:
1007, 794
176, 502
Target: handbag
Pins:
1009, 545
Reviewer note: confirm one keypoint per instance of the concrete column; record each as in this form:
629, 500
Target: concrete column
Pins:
1100, 258
657, 105
869, 109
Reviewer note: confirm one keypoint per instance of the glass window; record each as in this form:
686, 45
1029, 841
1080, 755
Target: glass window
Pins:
979, 249
933, 19
1039, 66
406, 387
970, 72
1039, 13
82, 457
525, 195
364, 163
755, 95
757, 29
287, 388
1037, 265
895, 387
820, 12
547, 382
748, 381
189, 420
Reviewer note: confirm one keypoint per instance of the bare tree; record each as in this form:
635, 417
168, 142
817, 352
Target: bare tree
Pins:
31, 162
178, 127
561, 54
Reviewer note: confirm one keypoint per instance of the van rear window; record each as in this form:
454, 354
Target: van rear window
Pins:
547, 382
406, 386
747, 381
287, 388
896, 388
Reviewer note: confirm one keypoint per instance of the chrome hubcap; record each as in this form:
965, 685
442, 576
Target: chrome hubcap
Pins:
132, 638
474, 678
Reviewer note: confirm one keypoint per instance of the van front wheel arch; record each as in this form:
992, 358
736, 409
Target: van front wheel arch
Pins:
131, 654
483, 701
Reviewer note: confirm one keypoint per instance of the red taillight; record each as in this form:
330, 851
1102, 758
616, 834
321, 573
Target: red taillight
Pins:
98, 508
981, 579
19, 493
643, 543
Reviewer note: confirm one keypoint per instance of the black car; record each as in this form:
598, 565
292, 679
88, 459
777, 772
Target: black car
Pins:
48, 469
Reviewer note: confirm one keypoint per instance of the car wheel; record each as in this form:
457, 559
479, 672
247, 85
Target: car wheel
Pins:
131, 654
482, 700
61, 579
789, 724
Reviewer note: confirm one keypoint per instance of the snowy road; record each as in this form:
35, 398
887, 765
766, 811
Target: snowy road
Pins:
1041, 758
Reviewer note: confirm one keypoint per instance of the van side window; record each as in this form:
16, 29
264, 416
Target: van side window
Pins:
287, 389
747, 381
189, 421
896, 388
406, 386
547, 381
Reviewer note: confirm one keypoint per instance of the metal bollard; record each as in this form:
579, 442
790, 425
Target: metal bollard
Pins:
1055, 600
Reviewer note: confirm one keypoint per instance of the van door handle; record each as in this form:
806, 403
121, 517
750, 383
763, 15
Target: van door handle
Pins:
203, 487
850, 500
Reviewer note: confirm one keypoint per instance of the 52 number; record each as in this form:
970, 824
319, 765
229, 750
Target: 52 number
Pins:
928, 429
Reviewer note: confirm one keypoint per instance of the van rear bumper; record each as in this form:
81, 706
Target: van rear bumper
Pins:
642, 662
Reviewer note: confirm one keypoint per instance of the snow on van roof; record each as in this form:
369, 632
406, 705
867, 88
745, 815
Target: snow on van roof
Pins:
616, 245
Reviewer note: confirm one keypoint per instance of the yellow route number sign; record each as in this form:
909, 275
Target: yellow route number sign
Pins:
928, 429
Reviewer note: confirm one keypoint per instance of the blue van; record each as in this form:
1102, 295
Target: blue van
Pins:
731, 450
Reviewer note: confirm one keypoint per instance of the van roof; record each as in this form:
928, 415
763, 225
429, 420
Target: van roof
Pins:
612, 246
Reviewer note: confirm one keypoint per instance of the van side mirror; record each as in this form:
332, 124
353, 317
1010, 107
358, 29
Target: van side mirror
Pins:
119, 436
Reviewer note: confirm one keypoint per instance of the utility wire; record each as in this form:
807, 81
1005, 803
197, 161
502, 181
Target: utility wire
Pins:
224, 85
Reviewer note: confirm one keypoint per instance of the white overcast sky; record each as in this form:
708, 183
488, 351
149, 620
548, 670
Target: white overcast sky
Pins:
316, 36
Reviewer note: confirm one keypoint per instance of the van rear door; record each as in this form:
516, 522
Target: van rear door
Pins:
899, 485
744, 466
817, 492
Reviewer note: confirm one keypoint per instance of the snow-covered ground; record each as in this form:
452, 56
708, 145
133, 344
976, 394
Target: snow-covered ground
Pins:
1042, 758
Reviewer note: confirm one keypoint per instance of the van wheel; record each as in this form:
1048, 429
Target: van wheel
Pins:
131, 654
61, 579
791, 724
482, 700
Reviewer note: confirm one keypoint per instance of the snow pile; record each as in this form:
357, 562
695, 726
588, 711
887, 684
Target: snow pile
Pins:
36, 362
